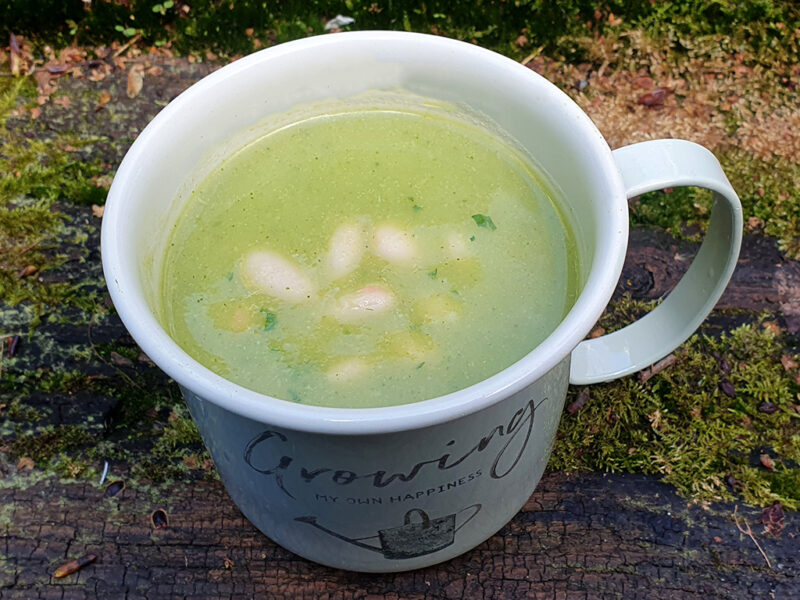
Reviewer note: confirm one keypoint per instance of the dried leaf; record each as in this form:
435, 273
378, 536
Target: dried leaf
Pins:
71, 54
97, 75
135, 81
105, 98
655, 419
654, 97
63, 101
597, 332
44, 83
155, 71
13, 343
97, 211
772, 517
28, 270
580, 401
772, 327
74, 565
766, 460
103, 181
15, 58
229, 563
754, 224
36, 112
727, 388
117, 358
25, 463
768, 408
724, 366
788, 362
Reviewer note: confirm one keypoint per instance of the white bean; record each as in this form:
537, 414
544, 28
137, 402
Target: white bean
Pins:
367, 302
393, 245
347, 370
277, 276
345, 251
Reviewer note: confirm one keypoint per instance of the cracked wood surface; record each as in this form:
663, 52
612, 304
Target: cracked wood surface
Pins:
587, 536
581, 536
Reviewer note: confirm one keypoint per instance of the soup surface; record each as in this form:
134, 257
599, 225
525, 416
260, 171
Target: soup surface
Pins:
368, 259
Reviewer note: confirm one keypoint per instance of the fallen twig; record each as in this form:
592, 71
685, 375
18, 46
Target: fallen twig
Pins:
126, 45
532, 55
749, 532
664, 363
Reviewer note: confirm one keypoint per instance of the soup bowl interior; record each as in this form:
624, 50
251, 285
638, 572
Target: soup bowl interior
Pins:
234, 106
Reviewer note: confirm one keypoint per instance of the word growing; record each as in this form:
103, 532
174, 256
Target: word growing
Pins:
500, 439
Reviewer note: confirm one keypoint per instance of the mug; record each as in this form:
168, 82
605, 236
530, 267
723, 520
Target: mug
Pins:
404, 487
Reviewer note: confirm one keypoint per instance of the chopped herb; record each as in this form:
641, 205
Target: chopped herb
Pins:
416, 208
295, 396
229, 276
270, 320
434, 273
472, 238
419, 366
484, 221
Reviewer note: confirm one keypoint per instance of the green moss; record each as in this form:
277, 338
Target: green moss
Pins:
46, 444
681, 425
34, 174
768, 191
18, 411
180, 431
148, 432
673, 210
43, 380
125, 351
63, 382
49, 170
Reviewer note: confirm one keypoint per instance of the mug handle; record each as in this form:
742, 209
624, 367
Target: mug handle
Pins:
645, 167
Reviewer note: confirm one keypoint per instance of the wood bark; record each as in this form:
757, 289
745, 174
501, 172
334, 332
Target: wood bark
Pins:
580, 536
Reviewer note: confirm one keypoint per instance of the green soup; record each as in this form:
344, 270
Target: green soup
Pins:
368, 258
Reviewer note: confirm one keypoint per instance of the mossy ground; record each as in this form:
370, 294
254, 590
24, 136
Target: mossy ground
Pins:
682, 424
731, 72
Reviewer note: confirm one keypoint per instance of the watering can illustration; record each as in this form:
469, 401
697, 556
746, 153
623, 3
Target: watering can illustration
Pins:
417, 536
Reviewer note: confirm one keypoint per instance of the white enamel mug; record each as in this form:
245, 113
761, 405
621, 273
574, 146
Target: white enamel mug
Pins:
398, 488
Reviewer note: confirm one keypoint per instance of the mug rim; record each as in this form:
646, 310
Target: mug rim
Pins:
136, 315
